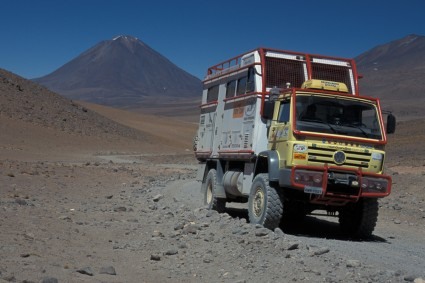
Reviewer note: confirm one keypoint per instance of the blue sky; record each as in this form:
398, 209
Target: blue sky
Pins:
37, 37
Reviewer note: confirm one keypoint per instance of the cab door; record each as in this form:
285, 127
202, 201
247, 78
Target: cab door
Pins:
280, 126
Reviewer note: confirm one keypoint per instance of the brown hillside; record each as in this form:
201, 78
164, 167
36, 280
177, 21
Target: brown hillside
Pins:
36, 123
166, 131
395, 73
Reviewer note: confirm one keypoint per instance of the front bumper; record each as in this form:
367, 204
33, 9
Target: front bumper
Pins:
334, 185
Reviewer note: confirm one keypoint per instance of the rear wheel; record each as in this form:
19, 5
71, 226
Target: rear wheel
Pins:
265, 205
210, 199
359, 219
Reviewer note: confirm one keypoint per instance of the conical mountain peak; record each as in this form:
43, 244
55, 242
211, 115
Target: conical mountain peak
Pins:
122, 71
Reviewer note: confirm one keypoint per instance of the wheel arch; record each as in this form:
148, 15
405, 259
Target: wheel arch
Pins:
268, 162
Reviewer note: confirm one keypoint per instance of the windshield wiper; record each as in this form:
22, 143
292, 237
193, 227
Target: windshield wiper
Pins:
329, 125
357, 127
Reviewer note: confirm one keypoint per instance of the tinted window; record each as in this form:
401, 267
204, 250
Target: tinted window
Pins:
242, 86
231, 88
284, 112
250, 86
212, 94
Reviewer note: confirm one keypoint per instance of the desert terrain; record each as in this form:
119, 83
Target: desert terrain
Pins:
94, 194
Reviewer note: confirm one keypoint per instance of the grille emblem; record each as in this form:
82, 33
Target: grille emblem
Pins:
339, 157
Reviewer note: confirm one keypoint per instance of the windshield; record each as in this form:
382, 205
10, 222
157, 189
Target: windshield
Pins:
336, 115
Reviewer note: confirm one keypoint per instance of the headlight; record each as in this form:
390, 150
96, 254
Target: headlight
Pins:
374, 185
309, 178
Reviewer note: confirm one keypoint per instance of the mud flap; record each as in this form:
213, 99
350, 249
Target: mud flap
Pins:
200, 174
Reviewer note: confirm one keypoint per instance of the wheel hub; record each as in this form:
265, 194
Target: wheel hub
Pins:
209, 194
258, 203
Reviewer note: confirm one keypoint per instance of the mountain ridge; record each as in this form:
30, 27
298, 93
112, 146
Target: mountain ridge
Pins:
395, 72
120, 72
385, 55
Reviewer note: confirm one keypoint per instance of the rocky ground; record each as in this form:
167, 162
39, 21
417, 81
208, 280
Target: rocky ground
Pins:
111, 208
140, 219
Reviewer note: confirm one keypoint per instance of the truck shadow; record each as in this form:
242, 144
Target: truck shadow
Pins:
310, 226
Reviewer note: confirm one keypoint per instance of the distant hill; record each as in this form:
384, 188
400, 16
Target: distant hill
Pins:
122, 72
26, 101
395, 72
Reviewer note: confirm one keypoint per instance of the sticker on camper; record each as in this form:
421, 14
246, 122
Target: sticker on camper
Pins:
238, 112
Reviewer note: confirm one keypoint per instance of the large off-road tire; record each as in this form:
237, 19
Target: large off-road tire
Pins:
265, 205
210, 199
359, 219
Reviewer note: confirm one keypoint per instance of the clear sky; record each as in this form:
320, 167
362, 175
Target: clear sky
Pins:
37, 37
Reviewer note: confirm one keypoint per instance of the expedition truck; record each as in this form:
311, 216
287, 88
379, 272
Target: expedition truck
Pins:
289, 133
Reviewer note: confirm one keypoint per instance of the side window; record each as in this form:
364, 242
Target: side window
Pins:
284, 111
212, 94
241, 86
230, 89
250, 85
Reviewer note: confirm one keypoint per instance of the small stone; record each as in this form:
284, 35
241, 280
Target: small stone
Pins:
279, 233
110, 270
191, 229
155, 257
157, 234
171, 252
120, 209
321, 251
293, 246
65, 217
157, 197
419, 280
410, 278
353, 263
179, 226
207, 260
397, 221
261, 232
85, 271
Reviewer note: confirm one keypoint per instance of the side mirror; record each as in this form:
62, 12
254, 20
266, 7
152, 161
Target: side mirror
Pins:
391, 122
268, 110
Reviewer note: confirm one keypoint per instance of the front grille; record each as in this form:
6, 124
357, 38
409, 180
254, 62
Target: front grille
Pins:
353, 158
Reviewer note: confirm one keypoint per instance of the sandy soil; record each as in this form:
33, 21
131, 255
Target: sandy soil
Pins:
106, 204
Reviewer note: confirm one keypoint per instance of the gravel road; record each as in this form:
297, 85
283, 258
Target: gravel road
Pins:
144, 221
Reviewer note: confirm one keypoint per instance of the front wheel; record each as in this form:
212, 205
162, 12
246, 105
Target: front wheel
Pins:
265, 205
359, 219
210, 199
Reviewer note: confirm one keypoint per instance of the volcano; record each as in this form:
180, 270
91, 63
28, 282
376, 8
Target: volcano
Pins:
122, 72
